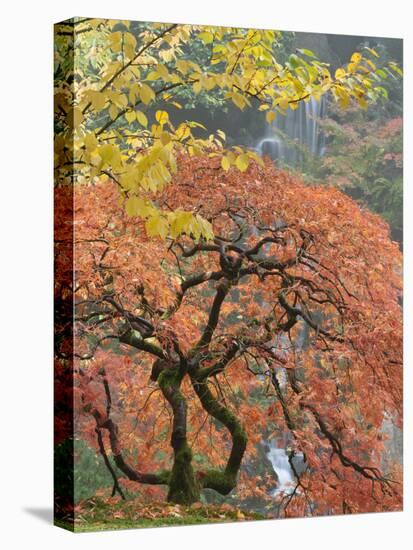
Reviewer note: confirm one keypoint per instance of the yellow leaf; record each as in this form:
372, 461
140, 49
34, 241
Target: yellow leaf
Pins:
105, 152
91, 142
152, 75
110, 154
371, 50
165, 138
182, 66
137, 207
98, 100
115, 39
157, 225
113, 111
129, 50
206, 37
162, 70
239, 100
146, 94
130, 116
77, 116
226, 165
183, 131
133, 92
141, 118
205, 228
340, 73
270, 117
197, 87
181, 222
131, 206
356, 57
129, 39
162, 117
283, 102
164, 172
242, 162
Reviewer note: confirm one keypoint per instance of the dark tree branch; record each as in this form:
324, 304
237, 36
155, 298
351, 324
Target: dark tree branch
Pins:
191, 282
368, 472
133, 339
116, 486
220, 365
144, 327
213, 319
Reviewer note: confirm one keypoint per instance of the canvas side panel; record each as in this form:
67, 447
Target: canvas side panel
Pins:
63, 269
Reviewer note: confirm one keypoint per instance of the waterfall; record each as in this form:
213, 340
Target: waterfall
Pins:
298, 130
279, 460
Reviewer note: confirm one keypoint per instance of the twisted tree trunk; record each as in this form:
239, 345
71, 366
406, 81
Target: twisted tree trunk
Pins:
183, 485
222, 481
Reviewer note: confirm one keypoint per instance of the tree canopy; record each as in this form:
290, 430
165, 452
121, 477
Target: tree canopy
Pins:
286, 322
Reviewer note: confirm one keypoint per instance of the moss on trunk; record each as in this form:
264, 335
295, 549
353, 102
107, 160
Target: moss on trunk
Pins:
183, 485
225, 481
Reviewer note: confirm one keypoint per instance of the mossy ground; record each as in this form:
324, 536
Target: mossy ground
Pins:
99, 514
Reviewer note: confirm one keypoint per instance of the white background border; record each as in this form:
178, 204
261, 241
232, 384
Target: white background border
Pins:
26, 272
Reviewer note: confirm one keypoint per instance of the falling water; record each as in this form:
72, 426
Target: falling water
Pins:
282, 467
295, 130
278, 456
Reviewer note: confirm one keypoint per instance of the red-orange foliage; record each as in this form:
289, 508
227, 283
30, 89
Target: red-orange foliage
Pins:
289, 319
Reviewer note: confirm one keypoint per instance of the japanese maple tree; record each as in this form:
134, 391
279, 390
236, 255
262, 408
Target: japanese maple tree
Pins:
294, 297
